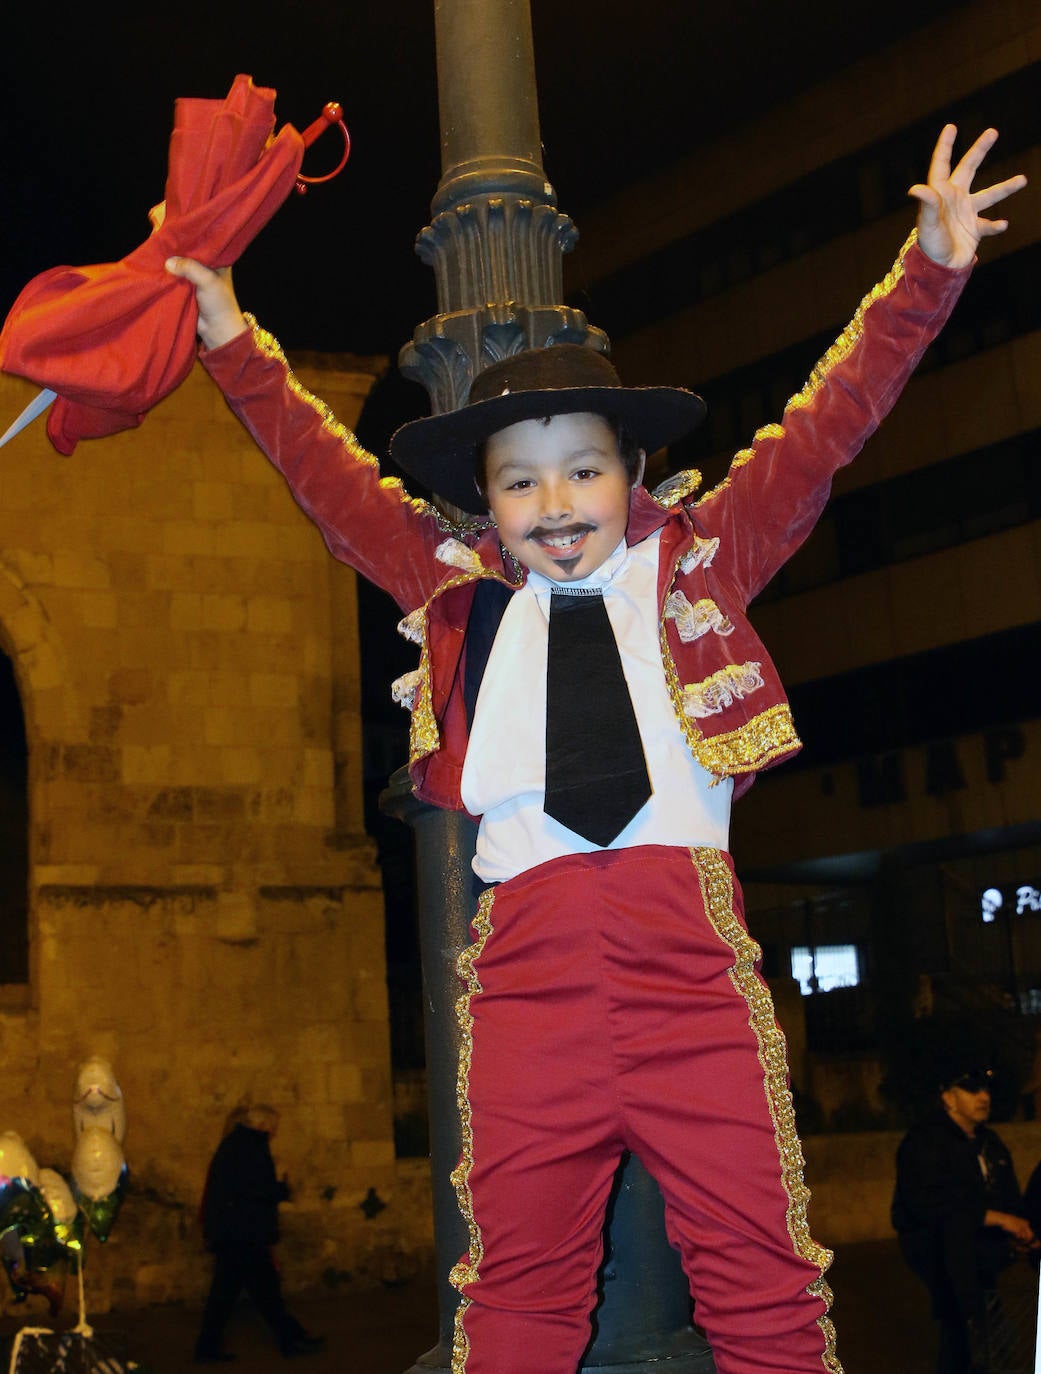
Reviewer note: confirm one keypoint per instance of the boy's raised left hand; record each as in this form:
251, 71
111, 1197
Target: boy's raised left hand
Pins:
220, 317
949, 222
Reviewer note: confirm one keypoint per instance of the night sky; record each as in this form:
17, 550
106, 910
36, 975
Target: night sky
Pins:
88, 98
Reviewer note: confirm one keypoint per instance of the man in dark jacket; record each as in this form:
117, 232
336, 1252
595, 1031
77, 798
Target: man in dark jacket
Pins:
240, 1224
958, 1212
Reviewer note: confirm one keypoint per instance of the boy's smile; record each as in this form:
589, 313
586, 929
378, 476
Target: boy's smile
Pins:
559, 492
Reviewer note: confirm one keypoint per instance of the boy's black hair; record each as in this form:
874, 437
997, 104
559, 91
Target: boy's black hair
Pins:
629, 451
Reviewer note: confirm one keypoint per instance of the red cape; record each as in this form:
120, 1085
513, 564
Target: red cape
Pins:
115, 338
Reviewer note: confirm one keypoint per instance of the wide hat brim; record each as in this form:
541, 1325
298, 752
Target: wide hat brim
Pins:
441, 450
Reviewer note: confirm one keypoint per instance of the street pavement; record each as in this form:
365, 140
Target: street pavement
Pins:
881, 1314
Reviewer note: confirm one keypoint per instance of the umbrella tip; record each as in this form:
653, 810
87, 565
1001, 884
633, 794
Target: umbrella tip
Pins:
36, 406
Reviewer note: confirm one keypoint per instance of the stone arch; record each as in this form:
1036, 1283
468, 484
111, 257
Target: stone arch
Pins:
29, 639
14, 832
45, 693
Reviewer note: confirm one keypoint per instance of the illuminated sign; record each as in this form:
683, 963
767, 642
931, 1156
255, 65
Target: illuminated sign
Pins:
1014, 902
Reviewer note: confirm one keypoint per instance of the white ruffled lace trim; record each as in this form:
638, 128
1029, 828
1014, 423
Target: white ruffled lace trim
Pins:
694, 621
404, 689
701, 554
722, 689
458, 555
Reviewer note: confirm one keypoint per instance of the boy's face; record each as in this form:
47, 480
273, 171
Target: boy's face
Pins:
559, 492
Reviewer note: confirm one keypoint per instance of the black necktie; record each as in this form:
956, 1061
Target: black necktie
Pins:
596, 777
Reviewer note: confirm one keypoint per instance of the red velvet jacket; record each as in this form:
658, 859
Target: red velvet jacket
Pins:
716, 553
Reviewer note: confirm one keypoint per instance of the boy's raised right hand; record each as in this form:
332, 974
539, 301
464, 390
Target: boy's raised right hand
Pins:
220, 317
950, 225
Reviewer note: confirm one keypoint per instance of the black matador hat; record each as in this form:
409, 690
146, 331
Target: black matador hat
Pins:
563, 379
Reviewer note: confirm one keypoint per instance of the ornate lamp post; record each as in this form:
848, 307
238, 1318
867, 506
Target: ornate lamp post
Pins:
495, 242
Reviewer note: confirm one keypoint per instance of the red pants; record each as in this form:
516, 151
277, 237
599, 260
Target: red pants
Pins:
613, 1002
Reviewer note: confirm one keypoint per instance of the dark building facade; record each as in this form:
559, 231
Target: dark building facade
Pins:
894, 868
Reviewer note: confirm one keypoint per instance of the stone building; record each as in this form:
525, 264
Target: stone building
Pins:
204, 907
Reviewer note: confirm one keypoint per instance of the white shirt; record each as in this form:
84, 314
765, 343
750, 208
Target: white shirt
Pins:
504, 773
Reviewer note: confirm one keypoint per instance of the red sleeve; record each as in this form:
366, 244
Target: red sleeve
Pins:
775, 490
366, 520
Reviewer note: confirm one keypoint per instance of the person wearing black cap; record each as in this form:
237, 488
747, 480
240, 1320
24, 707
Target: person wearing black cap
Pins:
590, 687
958, 1213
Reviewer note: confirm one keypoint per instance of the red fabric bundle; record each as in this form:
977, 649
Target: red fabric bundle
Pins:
115, 338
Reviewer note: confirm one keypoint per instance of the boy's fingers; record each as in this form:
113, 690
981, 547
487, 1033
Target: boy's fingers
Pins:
940, 163
970, 162
188, 268
926, 195
988, 227
1001, 190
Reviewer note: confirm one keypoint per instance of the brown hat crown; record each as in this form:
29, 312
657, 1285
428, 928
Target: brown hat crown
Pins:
544, 369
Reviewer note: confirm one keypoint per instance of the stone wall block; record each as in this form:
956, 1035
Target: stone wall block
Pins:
345, 1084
90, 763
372, 1153
270, 615
223, 612
240, 767
107, 803
131, 686
34, 566
187, 688
321, 1043
190, 537
197, 875
236, 917
100, 610
143, 611
62, 796
215, 844
146, 765
369, 995
46, 762
172, 804
104, 723
186, 611
214, 500
127, 568
277, 806
227, 687
61, 875
314, 806
74, 568
317, 768
219, 803
169, 572
280, 691
310, 1078
254, 539
377, 1086
42, 666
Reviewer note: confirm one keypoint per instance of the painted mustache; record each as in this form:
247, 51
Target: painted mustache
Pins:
559, 531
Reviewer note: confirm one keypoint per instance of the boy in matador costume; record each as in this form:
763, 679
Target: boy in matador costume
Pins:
612, 999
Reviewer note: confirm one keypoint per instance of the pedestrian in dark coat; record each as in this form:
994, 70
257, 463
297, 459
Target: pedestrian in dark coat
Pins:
240, 1225
958, 1212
